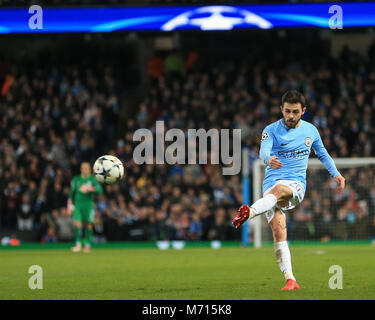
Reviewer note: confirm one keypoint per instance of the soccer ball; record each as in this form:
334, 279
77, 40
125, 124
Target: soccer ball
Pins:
108, 169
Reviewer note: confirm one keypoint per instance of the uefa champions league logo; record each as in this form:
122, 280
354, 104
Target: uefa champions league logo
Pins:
216, 18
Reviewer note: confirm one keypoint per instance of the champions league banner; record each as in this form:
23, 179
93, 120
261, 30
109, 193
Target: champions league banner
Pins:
38, 19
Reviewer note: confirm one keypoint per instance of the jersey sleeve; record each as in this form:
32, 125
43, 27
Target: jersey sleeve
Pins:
323, 155
266, 145
72, 190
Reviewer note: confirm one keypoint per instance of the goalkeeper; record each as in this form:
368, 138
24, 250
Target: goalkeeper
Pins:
81, 203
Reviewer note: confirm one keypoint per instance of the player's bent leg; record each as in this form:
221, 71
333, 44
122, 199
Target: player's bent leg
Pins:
77, 236
282, 252
278, 194
282, 193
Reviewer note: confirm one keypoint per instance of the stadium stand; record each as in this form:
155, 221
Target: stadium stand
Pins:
54, 117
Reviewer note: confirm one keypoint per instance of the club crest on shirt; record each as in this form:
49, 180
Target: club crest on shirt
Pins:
308, 142
265, 136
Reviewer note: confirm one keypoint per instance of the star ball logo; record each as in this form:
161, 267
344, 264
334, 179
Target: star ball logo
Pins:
264, 136
216, 18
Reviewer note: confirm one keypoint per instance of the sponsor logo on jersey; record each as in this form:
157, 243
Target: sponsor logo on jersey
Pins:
294, 153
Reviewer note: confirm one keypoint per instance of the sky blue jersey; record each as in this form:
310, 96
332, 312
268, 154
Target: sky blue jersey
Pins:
292, 146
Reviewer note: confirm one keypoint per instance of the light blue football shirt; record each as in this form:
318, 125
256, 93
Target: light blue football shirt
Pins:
292, 146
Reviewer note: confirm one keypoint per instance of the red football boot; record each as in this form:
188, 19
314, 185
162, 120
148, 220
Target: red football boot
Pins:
243, 214
291, 285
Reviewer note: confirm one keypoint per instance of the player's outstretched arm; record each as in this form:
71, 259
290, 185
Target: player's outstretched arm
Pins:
327, 161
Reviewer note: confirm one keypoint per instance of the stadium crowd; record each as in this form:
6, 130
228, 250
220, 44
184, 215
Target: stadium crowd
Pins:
53, 118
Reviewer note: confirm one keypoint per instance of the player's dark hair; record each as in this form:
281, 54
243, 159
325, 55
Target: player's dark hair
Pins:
293, 96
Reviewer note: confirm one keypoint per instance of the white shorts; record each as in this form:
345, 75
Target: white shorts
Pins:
298, 195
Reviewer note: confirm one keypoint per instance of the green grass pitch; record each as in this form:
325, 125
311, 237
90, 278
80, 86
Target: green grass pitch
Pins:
231, 273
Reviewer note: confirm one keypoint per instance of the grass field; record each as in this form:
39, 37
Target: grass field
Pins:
192, 273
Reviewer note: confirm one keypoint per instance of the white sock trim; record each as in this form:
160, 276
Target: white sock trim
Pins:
283, 259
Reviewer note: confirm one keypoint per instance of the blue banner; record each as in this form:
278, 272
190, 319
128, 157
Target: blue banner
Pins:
205, 18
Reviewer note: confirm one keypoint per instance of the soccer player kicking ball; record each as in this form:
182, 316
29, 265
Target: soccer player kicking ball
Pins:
285, 148
81, 202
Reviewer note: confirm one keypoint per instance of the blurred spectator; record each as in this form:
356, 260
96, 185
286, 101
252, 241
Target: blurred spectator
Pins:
50, 236
219, 229
196, 227
26, 217
64, 224
159, 228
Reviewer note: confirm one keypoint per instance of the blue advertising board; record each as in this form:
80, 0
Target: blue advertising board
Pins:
170, 18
